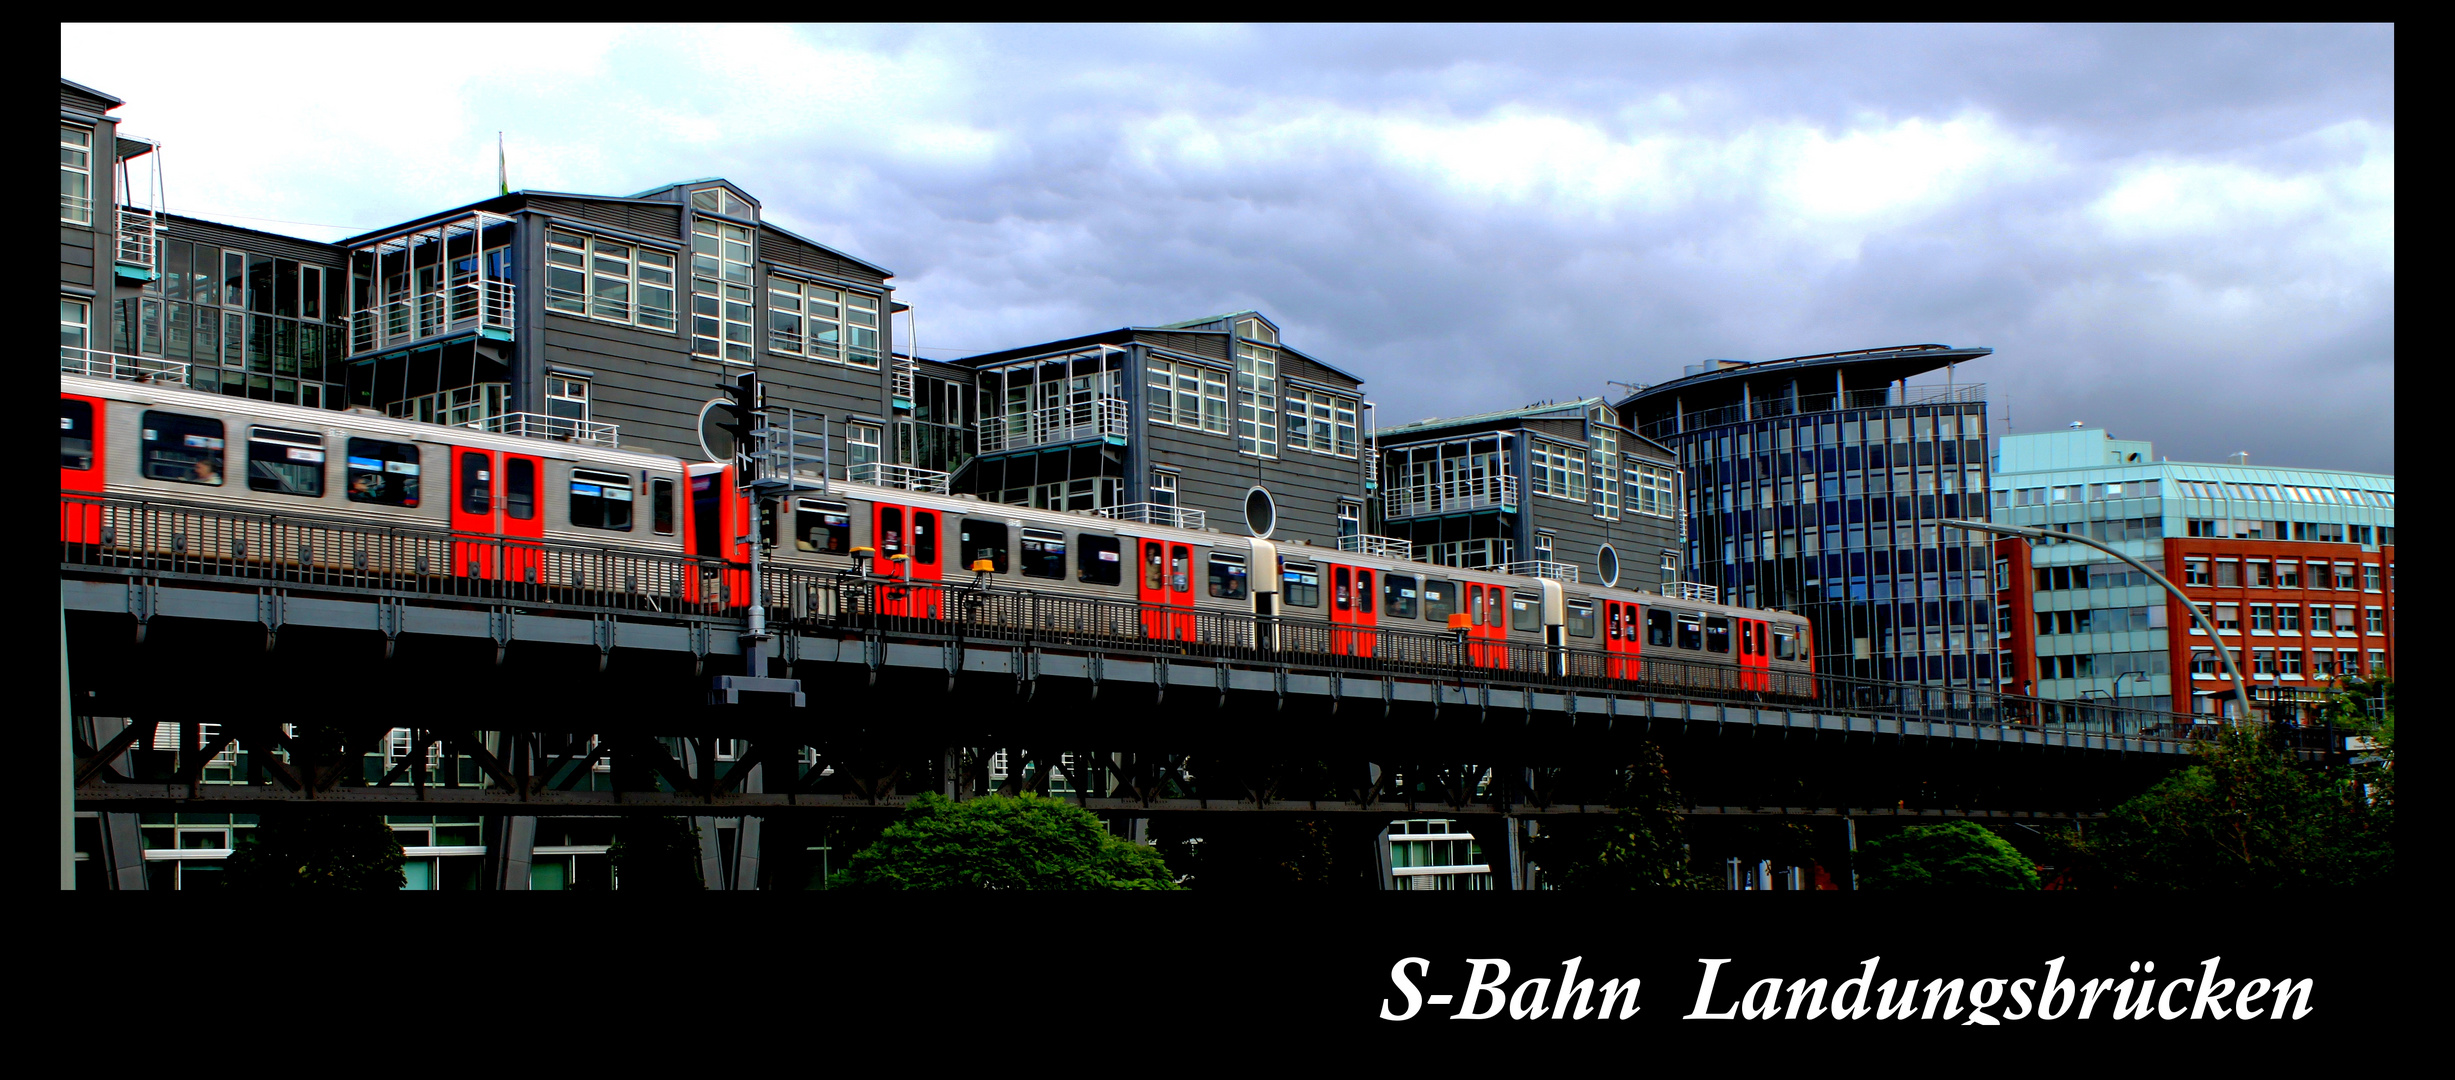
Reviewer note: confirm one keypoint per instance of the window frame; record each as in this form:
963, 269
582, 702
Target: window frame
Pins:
147, 428
383, 466
606, 482
1087, 545
299, 448
714, 281
640, 277
83, 170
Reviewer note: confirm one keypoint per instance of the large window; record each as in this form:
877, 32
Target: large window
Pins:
182, 449
1188, 396
601, 500
822, 526
720, 290
566, 400
1097, 560
385, 473
1605, 442
1652, 489
1320, 423
76, 322
1044, 554
1257, 397
609, 280
860, 444
76, 175
812, 320
285, 461
1558, 470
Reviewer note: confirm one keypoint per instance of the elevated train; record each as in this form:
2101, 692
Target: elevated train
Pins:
514, 508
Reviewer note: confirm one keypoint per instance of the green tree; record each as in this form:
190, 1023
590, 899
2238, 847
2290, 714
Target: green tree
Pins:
2250, 815
657, 854
317, 848
1947, 855
1642, 846
1030, 842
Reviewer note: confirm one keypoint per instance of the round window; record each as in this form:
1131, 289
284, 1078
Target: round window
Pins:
1261, 512
1608, 561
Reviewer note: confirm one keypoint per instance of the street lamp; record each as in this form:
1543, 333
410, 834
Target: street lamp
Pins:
2142, 676
2241, 688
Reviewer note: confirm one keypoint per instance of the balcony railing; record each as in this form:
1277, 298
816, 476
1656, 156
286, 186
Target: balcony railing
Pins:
137, 230
1452, 496
95, 363
482, 304
903, 477
1770, 407
1175, 517
899, 380
1692, 590
1385, 546
1092, 419
1557, 571
528, 425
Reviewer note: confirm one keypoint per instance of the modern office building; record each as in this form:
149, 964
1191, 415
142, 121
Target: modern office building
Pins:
2296, 567
1813, 485
1558, 490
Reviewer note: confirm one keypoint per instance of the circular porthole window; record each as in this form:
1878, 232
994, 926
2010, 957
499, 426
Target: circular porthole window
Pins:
1261, 512
1608, 561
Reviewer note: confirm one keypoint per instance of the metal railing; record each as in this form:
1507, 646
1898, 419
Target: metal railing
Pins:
1692, 590
137, 233
157, 540
1770, 407
98, 364
904, 477
1557, 571
899, 380
1091, 419
529, 425
1148, 513
1451, 496
480, 304
1385, 546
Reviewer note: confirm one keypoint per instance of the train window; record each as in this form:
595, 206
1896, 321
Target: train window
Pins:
1180, 568
984, 539
1227, 576
660, 505
1440, 600
1474, 604
707, 515
925, 540
474, 484
283, 461
1154, 567
1525, 611
1044, 554
1691, 633
1300, 584
1747, 637
1098, 563
520, 488
1581, 618
1363, 592
382, 472
1717, 633
821, 526
182, 449
1658, 628
1784, 644
890, 533
76, 434
1342, 586
1398, 596
600, 500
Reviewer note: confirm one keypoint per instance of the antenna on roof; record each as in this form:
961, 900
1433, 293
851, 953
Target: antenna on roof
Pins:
1631, 387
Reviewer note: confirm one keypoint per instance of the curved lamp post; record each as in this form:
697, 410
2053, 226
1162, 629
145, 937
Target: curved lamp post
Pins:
2241, 688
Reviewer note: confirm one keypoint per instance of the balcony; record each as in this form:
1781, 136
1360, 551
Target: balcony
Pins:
137, 237
1771, 407
899, 380
1097, 418
1692, 590
1557, 571
901, 477
1454, 496
97, 364
1174, 517
1388, 547
484, 305
528, 425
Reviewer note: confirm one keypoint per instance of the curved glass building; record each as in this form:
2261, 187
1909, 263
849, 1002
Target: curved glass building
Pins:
1814, 484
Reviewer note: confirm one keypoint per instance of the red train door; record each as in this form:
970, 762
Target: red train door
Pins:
1153, 590
891, 533
523, 522
1366, 596
81, 453
1492, 632
719, 520
1342, 610
1621, 643
917, 535
476, 490
1180, 592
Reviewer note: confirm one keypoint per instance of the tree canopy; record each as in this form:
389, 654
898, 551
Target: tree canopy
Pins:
1642, 846
1947, 855
318, 848
1030, 842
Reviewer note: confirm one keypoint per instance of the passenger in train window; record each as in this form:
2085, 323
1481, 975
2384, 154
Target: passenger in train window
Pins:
1440, 600
182, 449
1154, 566
1227, 576
1098, 563
1342, 586
1398, 596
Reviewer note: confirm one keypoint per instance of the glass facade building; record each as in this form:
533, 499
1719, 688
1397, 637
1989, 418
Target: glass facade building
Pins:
1814, 485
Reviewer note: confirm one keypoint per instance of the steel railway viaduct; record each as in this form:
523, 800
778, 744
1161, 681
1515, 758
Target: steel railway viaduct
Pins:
314, 672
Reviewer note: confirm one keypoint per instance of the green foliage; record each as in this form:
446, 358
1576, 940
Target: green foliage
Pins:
657, 854
1643, 846
2250, 816
317, 848
2351, 712
1948, 855
997, 842
1253, 852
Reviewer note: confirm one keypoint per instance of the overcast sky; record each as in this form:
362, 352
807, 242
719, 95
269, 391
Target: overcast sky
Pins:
2184, 234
